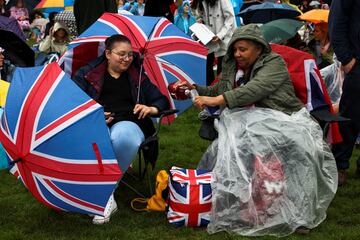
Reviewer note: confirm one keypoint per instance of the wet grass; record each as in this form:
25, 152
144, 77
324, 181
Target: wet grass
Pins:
22, 217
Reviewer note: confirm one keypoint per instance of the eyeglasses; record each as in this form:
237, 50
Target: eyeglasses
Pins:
124, 55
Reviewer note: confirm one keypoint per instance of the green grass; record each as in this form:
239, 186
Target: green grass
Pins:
22, 217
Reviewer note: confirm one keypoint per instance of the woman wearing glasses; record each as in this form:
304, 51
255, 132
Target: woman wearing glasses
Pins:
113, 81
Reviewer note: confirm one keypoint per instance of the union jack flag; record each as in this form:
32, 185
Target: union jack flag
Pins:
308, 84
57, 142
189, 202
169, 54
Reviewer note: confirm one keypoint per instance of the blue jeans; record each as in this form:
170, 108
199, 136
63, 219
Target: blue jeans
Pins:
126, 138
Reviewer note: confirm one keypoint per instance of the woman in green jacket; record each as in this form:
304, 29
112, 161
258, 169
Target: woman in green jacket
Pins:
265, 82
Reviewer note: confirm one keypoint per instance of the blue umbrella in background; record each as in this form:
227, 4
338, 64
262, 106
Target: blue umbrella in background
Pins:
267, 12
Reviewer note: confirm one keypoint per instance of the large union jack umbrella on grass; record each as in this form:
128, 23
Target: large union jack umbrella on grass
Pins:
169, 54
57, 142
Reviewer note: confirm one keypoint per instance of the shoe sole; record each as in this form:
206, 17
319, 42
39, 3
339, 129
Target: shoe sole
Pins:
105, 220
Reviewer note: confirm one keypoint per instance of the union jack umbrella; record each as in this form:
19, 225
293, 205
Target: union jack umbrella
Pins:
57, 142
169, 54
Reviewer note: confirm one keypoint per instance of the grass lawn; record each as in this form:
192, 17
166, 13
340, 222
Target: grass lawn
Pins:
22, 217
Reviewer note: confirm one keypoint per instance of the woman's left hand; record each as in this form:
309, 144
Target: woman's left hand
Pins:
143, 110
216, 39
203, 101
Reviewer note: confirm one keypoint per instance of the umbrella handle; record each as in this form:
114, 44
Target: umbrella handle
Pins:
139, 85
12, 163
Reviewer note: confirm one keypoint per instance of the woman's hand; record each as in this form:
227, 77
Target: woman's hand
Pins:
202, 101
187, 84
108, 117
216, 39
347, 68
143, 110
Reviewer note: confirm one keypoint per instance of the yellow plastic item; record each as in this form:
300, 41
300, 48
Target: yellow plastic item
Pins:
4, 87
156, 202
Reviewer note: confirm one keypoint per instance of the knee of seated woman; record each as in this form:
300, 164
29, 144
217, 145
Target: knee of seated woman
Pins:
127, 133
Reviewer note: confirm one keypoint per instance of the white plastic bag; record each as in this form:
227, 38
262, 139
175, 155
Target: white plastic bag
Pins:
273, 173
333, 77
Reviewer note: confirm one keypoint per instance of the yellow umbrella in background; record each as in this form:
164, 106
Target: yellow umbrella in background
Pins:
4, 86
316, 16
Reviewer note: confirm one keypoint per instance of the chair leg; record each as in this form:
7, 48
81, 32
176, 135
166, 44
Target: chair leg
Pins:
140, 160
133, 189
149, 183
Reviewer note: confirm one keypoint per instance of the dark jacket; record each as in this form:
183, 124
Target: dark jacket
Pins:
90, 78
88, 11
344, 29
159, 8
269, 84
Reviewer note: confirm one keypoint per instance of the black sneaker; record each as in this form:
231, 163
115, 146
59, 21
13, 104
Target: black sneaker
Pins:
342, 176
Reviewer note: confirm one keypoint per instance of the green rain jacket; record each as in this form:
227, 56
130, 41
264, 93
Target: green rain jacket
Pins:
269, 84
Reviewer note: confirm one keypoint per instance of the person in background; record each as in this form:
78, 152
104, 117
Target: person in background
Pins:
6, 68
50, 24
305, 6
315, 4
21, 14
113, 81
120, 5
57, 41
161, 8
138, 8
3, 11
88, 11
320, 46
219, 17
38, 25
184, 19
344, 29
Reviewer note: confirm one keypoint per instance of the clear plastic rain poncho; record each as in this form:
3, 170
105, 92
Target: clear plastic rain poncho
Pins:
333, 78
273, 173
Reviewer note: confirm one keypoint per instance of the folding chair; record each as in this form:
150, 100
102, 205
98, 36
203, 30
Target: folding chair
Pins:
145, 157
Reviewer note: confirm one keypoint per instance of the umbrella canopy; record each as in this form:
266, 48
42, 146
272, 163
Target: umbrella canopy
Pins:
266, 12
57, 141
12, 25
247, 4
169, 54
316, 16
55, 5
280, 30
16, 50
68, 18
